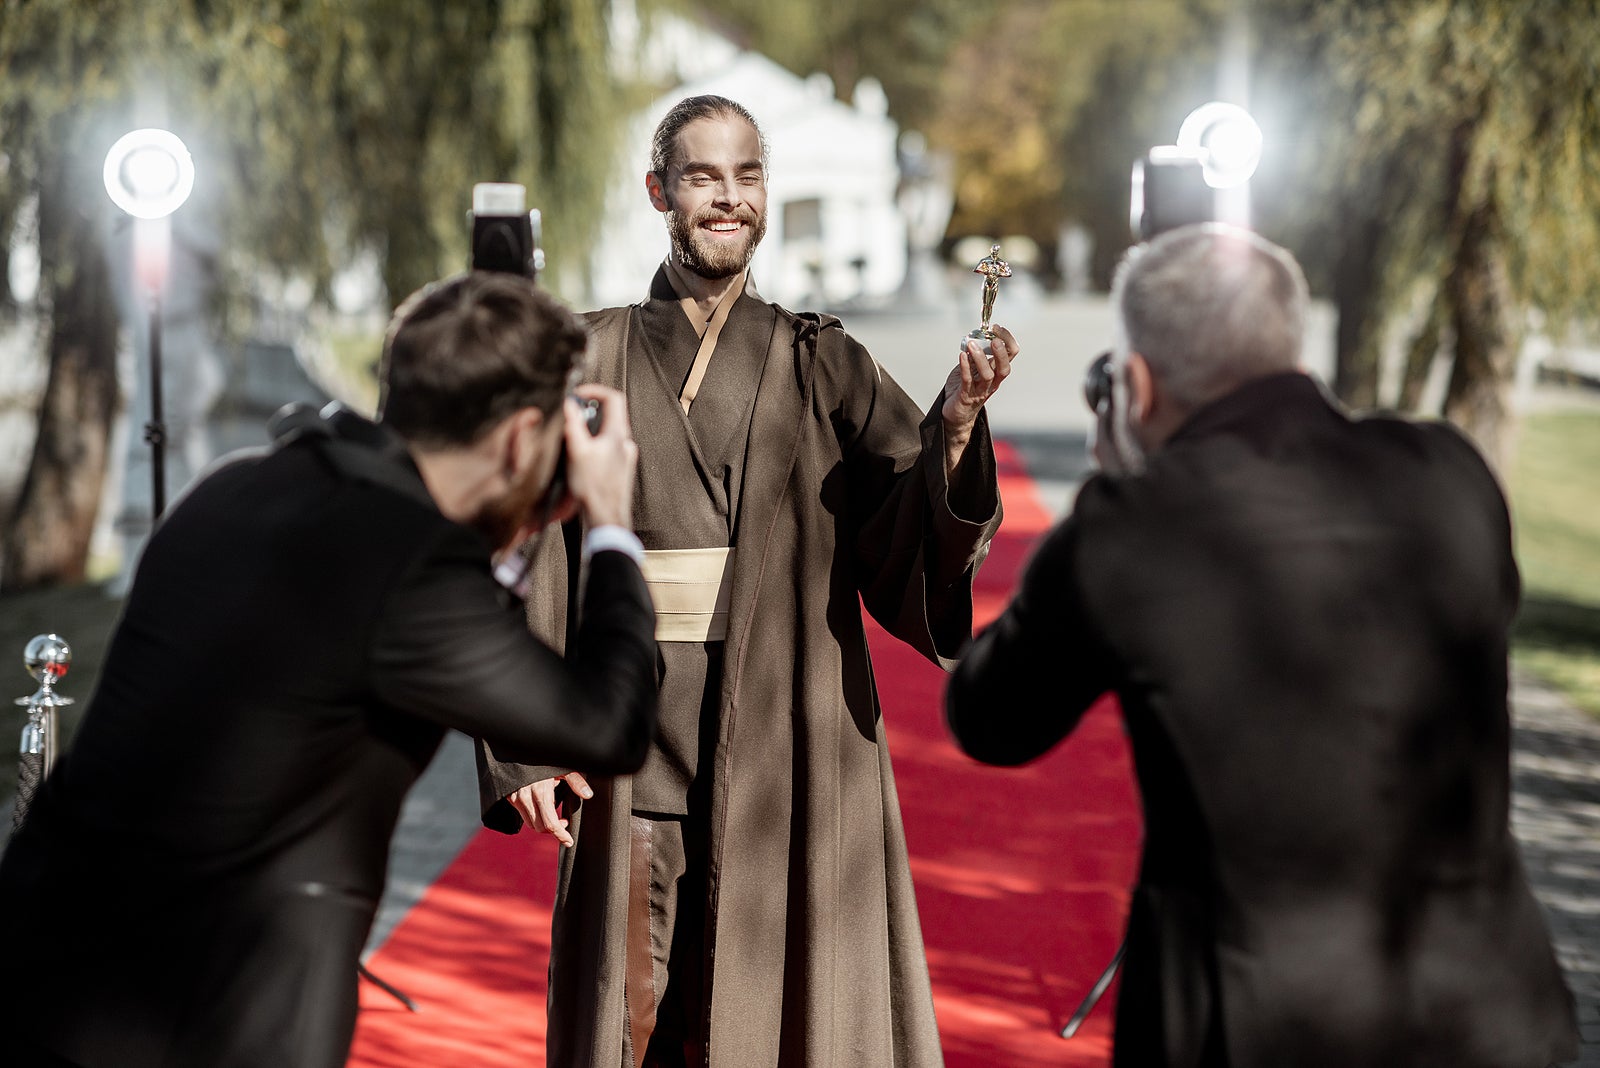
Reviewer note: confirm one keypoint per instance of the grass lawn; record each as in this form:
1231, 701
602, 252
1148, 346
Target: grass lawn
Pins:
1555, 493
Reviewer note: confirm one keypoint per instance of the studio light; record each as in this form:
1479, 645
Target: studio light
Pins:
1228, 141
148, 173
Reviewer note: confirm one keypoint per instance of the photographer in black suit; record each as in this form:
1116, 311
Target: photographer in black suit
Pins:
1305, 618
195, 881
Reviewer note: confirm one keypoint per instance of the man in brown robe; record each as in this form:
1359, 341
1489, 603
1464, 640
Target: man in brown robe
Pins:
745, 900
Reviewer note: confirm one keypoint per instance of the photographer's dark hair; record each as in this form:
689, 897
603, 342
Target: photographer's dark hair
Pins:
664, 145
463, 353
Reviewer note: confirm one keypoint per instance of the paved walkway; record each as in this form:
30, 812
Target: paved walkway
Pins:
1556, 816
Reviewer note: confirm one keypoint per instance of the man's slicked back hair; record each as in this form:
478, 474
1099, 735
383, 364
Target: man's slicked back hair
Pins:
664, 145
1210, 307
463, 353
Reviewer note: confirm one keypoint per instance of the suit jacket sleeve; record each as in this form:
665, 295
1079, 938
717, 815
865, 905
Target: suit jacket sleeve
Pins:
919, 537
1029, 677
552, 607
452, 647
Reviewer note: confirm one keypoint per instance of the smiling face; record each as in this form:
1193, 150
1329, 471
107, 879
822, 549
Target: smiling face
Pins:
714, 196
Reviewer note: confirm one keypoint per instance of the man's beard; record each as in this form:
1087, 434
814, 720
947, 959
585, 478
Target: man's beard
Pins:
710, 260
500, 519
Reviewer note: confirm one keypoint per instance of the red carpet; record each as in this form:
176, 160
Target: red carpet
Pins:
1022, 879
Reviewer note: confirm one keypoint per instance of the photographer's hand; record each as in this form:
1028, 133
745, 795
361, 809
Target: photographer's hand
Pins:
537, 804
600, 468
1103, 445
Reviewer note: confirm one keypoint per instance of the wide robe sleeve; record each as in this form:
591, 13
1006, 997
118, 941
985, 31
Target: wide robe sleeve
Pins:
919, 537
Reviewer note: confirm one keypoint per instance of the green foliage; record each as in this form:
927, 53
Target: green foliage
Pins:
64, 87
418, 101
332, 127
1044, 105
1055, 101
904, 44
1392, 121
1454, 138
323, 131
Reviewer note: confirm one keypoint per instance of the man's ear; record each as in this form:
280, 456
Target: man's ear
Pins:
524, 440
657, 191
1141, 388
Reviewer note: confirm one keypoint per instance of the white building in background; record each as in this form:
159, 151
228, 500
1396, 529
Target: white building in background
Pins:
834, 233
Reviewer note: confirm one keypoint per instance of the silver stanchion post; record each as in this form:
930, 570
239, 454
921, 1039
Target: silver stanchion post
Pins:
47, 658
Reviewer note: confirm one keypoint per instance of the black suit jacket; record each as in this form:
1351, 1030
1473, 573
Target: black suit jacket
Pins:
196, 879
1305, 617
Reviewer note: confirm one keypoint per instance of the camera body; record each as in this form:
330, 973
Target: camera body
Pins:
505, 238
505, 235
1168, 190
1097, 384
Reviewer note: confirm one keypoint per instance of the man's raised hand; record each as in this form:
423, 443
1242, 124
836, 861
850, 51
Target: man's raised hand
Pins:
972, 381
600, 467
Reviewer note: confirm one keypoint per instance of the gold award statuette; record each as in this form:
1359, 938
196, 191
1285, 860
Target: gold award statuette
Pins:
993, 268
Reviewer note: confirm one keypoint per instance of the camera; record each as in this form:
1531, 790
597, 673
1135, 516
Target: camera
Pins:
593, 417
1097, 384
505, 238
505, 235
1168, 190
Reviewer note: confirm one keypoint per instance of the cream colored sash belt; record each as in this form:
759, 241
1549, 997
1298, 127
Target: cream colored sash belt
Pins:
692, 589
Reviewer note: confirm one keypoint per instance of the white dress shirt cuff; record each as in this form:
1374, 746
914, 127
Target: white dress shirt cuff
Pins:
623, 540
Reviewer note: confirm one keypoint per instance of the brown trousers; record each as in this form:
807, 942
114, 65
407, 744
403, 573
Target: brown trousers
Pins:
666, 987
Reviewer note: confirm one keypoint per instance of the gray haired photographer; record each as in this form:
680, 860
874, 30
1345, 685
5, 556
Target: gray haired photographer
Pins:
1304, 615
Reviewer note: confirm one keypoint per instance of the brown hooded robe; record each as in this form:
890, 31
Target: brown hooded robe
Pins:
814, 948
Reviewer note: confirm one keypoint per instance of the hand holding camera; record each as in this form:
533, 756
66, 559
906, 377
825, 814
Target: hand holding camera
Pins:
601, 456
1099, 389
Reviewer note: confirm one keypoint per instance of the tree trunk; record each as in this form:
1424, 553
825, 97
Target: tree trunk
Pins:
1355, 294
1420, 354
47, 536
1358, 295
1486, 336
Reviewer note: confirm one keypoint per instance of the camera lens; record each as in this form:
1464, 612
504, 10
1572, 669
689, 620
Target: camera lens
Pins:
1097, 382
593, 415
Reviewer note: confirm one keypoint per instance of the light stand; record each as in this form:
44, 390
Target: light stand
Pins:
155, 431
149, 174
